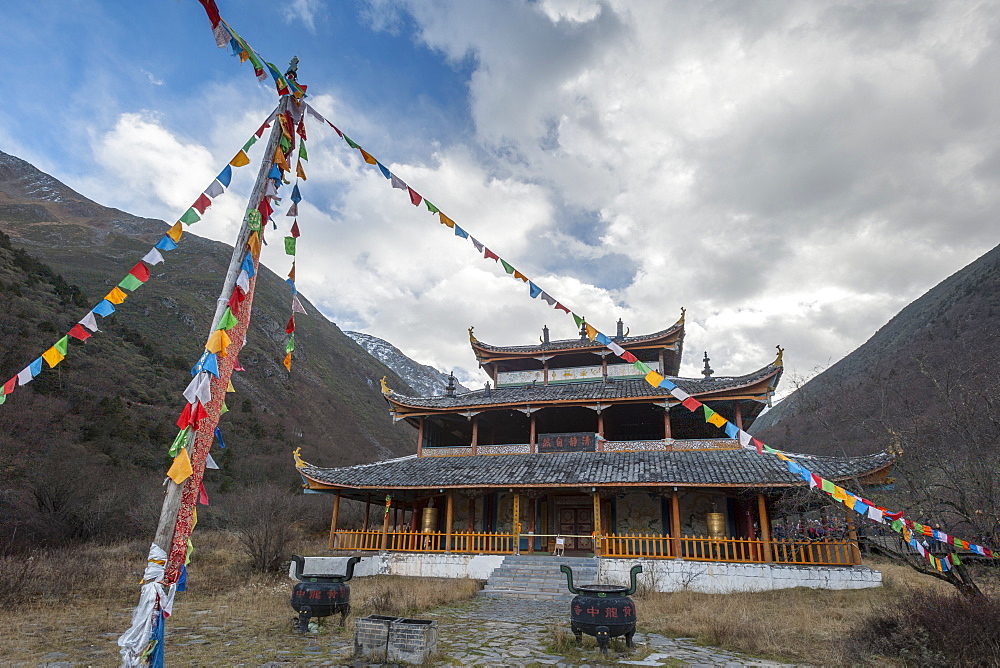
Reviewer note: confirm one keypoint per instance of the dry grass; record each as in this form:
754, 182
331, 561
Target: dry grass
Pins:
802, 625
75, 602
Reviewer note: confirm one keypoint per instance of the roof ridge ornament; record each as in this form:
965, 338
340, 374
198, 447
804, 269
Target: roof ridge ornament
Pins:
385, 386
472, 337
680, 321
777, 360
299, 462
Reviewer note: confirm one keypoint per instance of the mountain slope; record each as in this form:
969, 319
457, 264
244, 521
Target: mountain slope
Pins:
114, 400
425, 380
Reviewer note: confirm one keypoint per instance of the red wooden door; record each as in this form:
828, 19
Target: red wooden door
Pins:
577, 521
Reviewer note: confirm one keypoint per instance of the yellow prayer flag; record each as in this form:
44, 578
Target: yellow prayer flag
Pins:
230, 388
253, 243
591, 331
521, 276
717, 420
782, 457
445, 220
240, 159
838, 493
218, 342
181, 469
301, 173
288, 361
53, 356
244, 57
176, 231
194, 519
279, 159
653, 378
116, 296
368, 157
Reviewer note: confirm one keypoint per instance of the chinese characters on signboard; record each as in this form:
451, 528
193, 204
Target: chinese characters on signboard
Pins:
575, 442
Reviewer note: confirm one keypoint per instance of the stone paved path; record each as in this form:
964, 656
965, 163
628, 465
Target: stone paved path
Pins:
480, 633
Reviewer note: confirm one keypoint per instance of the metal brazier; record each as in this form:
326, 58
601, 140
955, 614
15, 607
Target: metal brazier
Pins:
321, 595
602, 611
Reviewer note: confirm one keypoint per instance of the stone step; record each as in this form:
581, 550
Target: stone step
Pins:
535, 596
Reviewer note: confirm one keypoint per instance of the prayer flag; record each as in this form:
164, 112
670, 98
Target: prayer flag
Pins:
827, 486
718, 421
349, 141
679, 394
691, 404
153, 257
629, 357
382, 168
175, 232
506, 267
293, 210
667, 384
226, 175
591, 330
218, 437
290, 245
744, 437
239, 160
562, 308
654, 378
184, 419
431, 207
732, 431
296, 195
414, 196
8, 387
202, 494
641, 367
248, 266
299, 171
533, 290
218, 342
24, 376
297, 305
228, 319
290, 327
166, 243
368, 157
181, 469
397, 182
814, 481
53, 356
243, 281
288, 362
202, 203
615, 348
490, 255
459, 232
547, 298
602, 338
62, 345
79, 333
215, 189
445, 220
578, 320
303, 155
518, 275
295, 229
104, 309
290, 346
130, 283
211, 365
140, 271
116, 296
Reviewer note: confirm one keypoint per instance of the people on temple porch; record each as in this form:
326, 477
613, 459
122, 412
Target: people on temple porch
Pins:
560, 547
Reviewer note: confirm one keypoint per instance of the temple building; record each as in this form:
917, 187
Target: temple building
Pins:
567, 442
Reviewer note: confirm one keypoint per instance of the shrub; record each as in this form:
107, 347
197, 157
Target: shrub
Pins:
924, 628
264, 517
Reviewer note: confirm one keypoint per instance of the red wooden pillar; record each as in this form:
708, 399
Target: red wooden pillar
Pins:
475, 433
533, 434
739, 415
420, 438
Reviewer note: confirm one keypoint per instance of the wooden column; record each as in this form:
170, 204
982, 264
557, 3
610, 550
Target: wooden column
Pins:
333, 521
516, 524
385, 528
475, 433
472, 514
675, 524
597, 524
739, 415
420, 438
532, 511
852, 535
666, 423
533, 435
604, 367
545, 372
368, 506
765, 526
661, 363
449, 517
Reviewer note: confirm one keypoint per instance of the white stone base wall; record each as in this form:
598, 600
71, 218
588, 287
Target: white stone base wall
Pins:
476, 566
713, 577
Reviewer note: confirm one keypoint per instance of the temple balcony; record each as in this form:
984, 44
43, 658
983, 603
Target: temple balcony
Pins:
601, 445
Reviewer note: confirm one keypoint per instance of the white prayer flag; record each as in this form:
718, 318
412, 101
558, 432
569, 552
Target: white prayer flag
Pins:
215, 189
152, 257
90, 322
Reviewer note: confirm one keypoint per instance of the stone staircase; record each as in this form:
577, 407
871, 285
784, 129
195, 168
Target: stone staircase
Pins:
538, 577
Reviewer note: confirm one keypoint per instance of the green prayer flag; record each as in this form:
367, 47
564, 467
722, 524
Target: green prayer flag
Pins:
291, 344
180, 441
579, 321
897, 525
130, 283
285, 144
350, 142
768, 448
290, 245
250, 142
955, 560
3, 398
828, 486
228, 320
224, 409
190, 217
190, 549
506, 267
62, 344
302, 152
431, 207
641, 367
708, 412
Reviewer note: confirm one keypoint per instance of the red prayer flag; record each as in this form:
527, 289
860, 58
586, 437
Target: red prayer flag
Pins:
301, 130
236, 299
295, 229
8, 387
561, 307
265, 209
197, 415
760, 447
415, 197
212, 11
79, 332
202, 494
290, 327
185, 417
140, 271
202, 203
490, 255
630, 358
336, 129
291, 274
236, 365
691, 404
260, 130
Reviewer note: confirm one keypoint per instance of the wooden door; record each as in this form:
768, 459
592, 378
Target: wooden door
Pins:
577, 521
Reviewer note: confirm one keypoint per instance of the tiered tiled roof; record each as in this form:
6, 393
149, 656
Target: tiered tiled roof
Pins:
720, 468
569, 344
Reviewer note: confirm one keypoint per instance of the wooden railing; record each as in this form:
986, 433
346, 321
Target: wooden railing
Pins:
648, 546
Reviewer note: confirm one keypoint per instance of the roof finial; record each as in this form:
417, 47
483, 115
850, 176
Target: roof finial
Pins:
777, 360
621, 330
299, 462
472, 337
385, 386
681, 320
583, 329
707, 371
450, 390
545, 334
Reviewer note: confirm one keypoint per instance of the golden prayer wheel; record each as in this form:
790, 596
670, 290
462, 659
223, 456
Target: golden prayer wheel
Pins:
716, 525
430, 520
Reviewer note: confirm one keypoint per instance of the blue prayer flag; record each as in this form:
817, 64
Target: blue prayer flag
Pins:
225, 176
104, 308
296, 197
211, 364
602, 338
36, 367
533, 290
218, 436
732, 431
199, 365
166, 244
182, 580
666, 384
385, 172
247, 265
459, 232
292, 283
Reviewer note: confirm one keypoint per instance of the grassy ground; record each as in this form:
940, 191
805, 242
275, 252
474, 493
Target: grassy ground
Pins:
795, 625
73, 604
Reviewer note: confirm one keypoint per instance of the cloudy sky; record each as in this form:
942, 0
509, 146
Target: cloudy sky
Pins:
792, 173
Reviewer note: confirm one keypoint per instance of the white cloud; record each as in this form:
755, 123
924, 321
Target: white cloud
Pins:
305, 11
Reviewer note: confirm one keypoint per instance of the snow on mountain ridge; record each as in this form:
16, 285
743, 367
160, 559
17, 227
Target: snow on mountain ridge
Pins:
424, 379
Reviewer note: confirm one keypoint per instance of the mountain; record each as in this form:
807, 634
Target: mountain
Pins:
423, 379
109, 409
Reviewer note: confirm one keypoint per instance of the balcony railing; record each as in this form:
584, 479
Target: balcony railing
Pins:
648, 546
